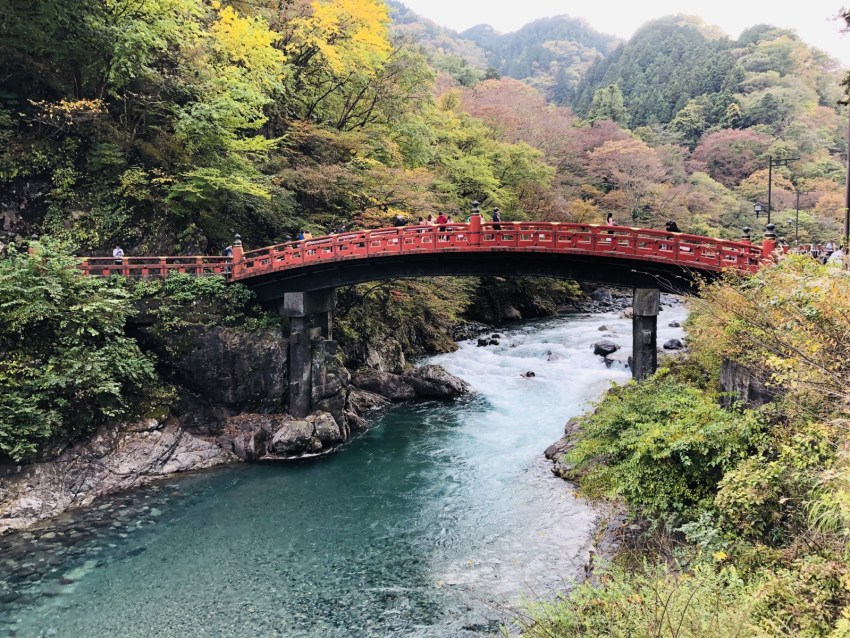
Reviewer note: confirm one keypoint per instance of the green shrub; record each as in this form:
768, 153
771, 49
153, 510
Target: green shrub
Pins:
65, 363
662, 445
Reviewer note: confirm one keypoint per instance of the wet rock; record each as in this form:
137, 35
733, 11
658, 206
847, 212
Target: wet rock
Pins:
293, 438
362, 401
603, 328
483, 342
605, 348
392, 386
326, 429
557, 450
674, 324
355, 421
468, 330
493, 342
673, 344
529, 374
435, 382
509, 313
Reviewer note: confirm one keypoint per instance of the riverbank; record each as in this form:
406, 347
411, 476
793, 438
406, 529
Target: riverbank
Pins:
229, 387
460, 490
737, 459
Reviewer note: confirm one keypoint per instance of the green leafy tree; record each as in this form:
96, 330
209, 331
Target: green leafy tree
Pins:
608, 104
66, 365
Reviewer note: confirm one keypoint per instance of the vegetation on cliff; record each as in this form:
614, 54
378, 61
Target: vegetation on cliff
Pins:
753, 501
65, 364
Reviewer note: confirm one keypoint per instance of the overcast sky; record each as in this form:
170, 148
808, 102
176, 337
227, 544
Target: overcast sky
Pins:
812, 19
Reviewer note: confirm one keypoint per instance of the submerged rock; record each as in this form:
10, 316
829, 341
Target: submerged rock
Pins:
111, 460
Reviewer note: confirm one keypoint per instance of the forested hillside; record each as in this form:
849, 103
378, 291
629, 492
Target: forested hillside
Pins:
168, 125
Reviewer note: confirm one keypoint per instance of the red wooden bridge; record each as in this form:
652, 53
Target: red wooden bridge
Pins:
472, 248
301, 276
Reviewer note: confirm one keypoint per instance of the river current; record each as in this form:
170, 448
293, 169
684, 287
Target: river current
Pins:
440, 521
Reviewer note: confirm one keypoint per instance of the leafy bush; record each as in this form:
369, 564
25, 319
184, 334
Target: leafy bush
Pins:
662, 445
655, 602
65, 364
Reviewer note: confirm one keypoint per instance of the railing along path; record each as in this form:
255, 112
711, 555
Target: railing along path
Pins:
689, 251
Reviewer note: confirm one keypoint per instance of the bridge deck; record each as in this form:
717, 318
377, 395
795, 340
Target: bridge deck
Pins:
612, 242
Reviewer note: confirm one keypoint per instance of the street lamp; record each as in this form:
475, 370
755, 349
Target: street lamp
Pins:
782, 161
757, 209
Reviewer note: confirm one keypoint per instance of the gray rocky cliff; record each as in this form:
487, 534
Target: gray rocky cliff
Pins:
739, 384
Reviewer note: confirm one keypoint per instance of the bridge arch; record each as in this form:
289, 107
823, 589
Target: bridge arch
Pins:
301, 277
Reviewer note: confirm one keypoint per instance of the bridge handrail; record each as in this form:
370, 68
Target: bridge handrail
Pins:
557, 237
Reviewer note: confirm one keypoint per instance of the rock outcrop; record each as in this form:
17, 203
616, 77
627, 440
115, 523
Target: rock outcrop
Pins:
427, 382
740, 384
261, 437
113, 459
235, 368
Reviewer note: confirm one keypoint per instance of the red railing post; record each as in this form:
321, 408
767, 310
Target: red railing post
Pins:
769, 243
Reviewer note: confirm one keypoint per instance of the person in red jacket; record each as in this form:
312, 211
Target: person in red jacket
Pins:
442, 220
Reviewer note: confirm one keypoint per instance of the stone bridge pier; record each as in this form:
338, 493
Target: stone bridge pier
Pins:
310, 317
645, 306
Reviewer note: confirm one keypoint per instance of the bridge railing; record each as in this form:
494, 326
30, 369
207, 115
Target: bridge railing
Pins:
641, 243
157, 266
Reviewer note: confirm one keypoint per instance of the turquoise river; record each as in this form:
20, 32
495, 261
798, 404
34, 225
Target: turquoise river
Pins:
439, 521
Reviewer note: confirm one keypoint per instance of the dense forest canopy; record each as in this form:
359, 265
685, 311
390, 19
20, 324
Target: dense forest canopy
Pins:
168, 125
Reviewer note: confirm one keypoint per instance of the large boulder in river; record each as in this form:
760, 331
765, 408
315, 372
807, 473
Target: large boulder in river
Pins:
361, 402
294, 438
605, 348
435, 382
673, 344
392, 386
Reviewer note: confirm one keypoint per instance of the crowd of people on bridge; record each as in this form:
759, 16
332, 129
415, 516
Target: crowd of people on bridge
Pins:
829, 253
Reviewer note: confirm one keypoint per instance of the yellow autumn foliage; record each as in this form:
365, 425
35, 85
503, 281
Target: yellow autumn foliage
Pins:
790, 324
350, 35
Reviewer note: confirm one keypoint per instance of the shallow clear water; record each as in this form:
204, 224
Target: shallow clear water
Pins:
437, 522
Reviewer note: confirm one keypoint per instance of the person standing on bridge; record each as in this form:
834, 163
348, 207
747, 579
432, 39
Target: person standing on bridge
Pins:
671, 227
609, 221
118, 255
497, 217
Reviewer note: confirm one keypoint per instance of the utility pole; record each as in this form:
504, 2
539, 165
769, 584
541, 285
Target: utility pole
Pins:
847, 185
782, 161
